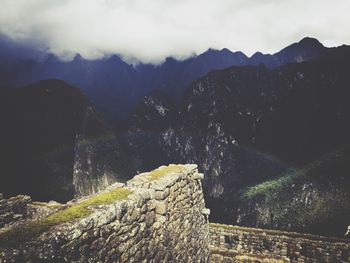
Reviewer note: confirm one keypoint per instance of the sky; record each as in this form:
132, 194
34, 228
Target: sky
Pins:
151, 30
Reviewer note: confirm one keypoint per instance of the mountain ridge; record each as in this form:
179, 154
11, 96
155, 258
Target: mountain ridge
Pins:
109, 79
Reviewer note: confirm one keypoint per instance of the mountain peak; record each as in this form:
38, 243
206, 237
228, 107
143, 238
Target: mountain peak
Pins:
77, 58
310, 42
225, 50
115, 58
257, 54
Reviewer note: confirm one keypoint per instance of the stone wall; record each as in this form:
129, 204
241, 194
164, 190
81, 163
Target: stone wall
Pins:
240, 244
162, 219
13, 209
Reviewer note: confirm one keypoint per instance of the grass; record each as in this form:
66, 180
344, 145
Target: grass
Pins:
21, 234
268, 188
45, 204
163, 170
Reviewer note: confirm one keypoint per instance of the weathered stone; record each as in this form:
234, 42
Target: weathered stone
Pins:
156, 223
161, 207
151, 205
149, 218
239, 244
161, 195
135, 215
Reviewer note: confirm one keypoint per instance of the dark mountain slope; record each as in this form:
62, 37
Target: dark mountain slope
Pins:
314, 198
246, 125
44, 126
155, 112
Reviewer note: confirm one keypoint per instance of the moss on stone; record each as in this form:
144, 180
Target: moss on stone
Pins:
17, 235
163, 170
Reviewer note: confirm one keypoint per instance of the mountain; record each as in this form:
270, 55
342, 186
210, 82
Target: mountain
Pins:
305, 50
54, 145
156, 111
115, 87
246, 125
313, 198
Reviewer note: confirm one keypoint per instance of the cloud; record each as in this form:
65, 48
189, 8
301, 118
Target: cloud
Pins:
150, 30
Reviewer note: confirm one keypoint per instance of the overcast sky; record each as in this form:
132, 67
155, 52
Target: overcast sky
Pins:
151, 30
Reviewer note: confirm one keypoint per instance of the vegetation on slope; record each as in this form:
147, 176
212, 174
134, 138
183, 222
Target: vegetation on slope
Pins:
314, 199
286, 179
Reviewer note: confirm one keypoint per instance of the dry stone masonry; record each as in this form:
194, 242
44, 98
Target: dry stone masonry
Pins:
159, 216
240, 244
162, 219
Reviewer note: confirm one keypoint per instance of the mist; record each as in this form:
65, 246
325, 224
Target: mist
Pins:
150, 31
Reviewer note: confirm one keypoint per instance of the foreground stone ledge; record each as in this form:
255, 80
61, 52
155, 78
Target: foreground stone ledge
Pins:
161, 220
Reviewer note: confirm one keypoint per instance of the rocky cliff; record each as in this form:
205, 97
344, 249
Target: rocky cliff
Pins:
247, 125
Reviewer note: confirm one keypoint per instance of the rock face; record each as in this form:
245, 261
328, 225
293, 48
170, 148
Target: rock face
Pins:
162, 219
13, 209
95, 165
239, 244
54, 145
247, 125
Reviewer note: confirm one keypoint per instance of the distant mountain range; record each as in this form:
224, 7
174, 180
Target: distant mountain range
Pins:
263, 129
115, 86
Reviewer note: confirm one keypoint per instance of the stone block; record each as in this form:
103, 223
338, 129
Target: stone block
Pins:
161, 207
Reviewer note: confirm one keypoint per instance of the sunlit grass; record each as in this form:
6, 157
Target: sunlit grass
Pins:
163, 170
45, 204
286, 179
269, 187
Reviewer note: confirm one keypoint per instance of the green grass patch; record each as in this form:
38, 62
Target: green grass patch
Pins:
163, 170
18, 235
45, 204
269, 187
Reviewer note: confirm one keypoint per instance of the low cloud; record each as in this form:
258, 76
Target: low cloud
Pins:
150, 30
